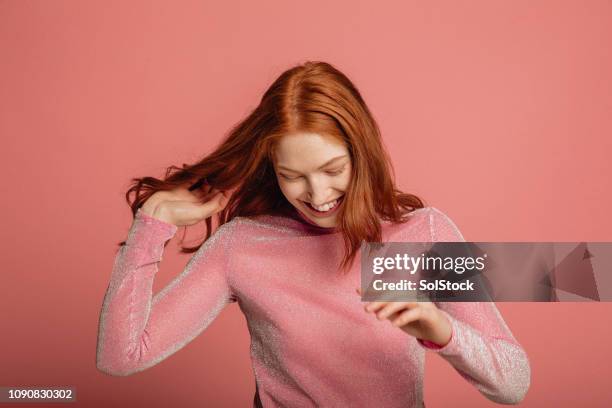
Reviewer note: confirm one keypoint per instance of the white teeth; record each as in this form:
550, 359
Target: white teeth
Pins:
325, 207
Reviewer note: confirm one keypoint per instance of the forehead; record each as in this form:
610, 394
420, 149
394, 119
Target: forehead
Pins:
304, 150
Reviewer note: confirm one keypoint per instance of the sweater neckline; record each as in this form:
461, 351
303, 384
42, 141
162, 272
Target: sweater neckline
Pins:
299, 220
294, 219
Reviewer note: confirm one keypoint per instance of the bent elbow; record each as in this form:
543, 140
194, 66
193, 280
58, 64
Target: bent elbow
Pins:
116, 366
112, 361
114, 370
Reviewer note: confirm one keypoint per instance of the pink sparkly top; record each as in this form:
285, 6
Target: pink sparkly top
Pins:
312, 343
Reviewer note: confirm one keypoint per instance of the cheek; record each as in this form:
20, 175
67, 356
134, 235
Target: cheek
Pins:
344, 182
290, 191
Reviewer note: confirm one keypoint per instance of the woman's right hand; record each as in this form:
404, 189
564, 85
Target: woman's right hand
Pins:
183, 207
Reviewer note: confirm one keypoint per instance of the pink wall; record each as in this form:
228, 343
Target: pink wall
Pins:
497, 112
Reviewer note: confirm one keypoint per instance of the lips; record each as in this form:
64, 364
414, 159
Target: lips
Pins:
318, 213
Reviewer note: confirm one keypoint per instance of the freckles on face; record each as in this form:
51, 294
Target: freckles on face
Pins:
313, 172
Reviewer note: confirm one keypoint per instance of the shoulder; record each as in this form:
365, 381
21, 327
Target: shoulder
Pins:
431, 224
241, 231
259, 226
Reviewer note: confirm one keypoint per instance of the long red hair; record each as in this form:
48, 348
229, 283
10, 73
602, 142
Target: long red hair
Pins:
313, 97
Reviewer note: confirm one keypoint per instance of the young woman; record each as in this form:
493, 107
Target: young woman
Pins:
296, 187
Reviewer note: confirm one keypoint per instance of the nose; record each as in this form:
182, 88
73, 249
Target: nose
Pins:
319, 192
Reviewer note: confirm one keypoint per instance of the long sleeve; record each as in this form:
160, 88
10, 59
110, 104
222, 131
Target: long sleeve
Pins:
482, 348
138, 330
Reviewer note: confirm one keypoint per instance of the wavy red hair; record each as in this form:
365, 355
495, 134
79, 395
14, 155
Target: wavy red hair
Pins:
312, 97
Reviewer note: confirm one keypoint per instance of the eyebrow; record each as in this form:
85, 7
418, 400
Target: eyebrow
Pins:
327, 163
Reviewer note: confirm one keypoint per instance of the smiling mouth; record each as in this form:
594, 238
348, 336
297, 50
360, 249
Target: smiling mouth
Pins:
313, 210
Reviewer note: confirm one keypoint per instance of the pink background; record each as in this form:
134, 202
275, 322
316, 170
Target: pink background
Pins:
496, 112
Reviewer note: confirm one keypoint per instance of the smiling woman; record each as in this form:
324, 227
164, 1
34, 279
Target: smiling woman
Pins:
315, 189
297, 187
276, 162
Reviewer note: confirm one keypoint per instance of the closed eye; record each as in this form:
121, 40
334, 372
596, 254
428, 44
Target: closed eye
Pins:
335, 172
290, 178
329, 172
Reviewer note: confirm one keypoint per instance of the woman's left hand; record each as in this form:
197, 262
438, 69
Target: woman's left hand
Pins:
422, 320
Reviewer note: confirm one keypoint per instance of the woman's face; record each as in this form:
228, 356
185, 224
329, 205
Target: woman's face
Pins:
313, 170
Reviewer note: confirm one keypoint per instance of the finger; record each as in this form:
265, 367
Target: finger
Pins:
200, 192
393, 307
215, 195
195, 197
219, 196
208, 208
208, 194
406, 317
223, 200
374, 306
362, 292
220, 200
205, 187
224, 197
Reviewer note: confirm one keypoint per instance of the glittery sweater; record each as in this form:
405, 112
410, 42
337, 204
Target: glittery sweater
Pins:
312, 343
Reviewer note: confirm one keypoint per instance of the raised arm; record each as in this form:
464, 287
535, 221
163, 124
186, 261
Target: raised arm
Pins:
136, 330
482, 348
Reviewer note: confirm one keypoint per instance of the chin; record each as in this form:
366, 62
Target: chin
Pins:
325, 224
